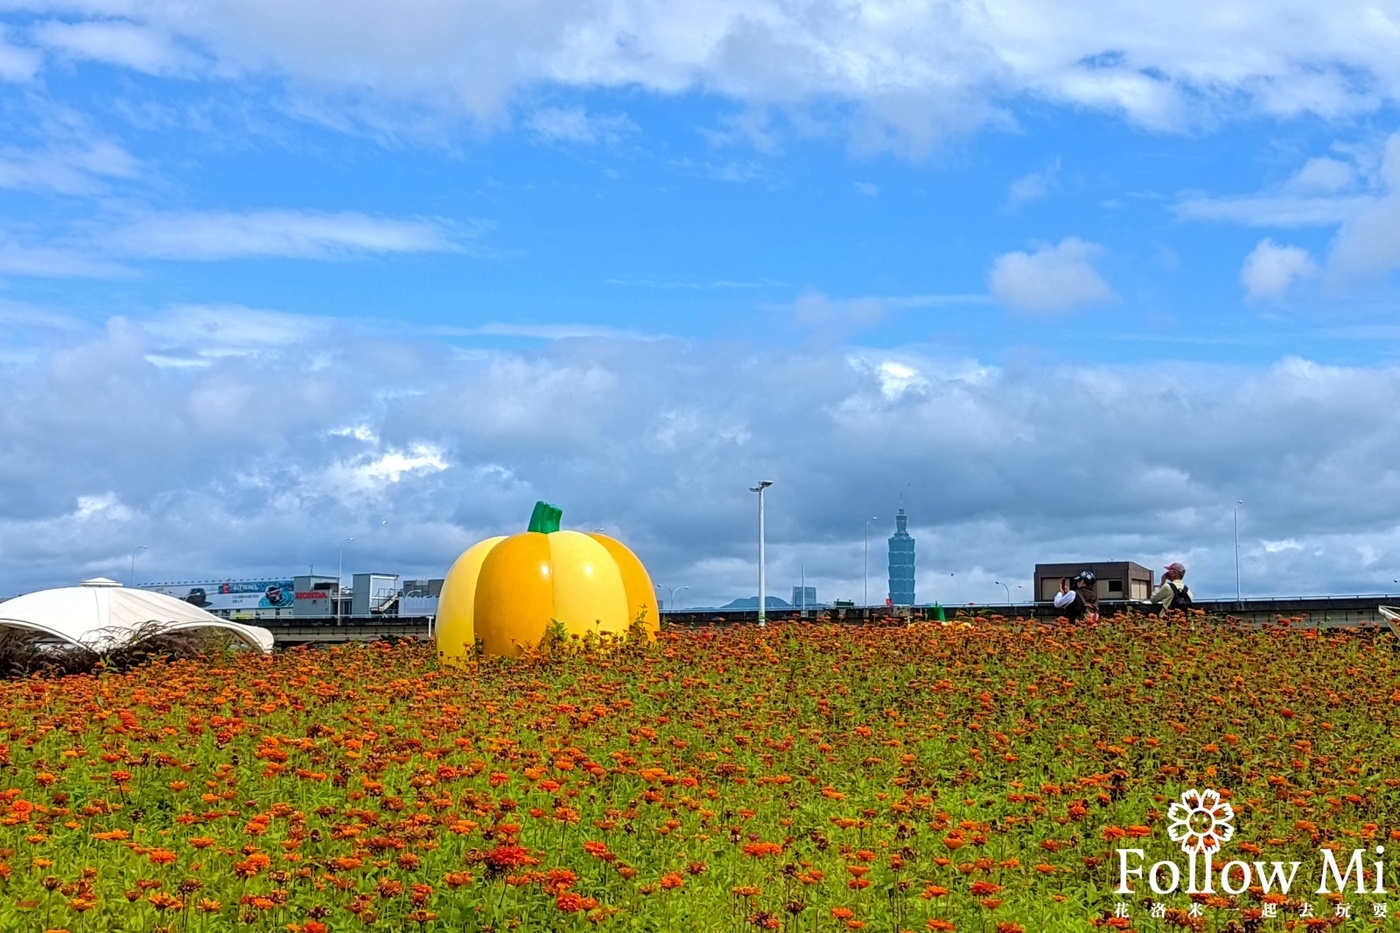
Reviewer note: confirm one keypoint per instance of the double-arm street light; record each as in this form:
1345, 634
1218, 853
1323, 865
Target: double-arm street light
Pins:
132, 581
762, 579
867, 557
671, 592
1005, 587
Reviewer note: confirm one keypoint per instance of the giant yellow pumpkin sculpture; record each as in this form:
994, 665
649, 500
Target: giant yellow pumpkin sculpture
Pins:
507, 592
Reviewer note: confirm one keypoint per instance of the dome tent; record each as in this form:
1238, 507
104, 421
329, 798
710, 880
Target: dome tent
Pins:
101, 613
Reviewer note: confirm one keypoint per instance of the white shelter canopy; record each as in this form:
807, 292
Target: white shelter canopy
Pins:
101, 612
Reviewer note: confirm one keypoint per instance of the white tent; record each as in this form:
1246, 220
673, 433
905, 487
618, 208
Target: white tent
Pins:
101, 613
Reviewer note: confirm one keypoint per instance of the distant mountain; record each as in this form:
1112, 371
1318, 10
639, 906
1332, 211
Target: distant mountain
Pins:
751, 602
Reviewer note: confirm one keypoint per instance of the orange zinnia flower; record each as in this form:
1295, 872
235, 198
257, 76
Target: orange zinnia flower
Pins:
573, 902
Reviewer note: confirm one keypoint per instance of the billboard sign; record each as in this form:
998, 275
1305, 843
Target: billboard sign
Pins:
231, 595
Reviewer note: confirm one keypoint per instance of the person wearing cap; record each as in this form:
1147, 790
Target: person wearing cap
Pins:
1172, 586
1082, 602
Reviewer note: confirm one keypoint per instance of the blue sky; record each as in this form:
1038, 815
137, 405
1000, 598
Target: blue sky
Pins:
1073, 282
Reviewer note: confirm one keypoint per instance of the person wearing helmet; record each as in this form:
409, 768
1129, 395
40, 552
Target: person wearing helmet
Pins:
275, 597
1081, 602
1173, 590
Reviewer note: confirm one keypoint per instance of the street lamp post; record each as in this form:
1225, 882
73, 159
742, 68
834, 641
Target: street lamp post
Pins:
340, 578
1005, 587
1238, 503
132, 581
867, 558
762, 579
670, 595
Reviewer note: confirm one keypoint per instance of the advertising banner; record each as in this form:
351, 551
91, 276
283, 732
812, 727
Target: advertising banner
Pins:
231, 595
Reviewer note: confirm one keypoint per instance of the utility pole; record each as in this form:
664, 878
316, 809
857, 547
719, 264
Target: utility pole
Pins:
872, 518
1238, 597
762, 580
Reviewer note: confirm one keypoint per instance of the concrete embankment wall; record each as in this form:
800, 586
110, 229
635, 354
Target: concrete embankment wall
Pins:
1312, 612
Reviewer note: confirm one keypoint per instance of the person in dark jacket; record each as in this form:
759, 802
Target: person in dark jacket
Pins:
1081, 602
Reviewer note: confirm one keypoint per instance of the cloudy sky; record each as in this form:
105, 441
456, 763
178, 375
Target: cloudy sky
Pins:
1071, 280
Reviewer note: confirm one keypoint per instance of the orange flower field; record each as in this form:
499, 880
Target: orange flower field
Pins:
798, 777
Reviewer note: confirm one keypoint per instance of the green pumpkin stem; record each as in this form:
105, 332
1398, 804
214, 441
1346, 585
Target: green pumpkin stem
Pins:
545, 518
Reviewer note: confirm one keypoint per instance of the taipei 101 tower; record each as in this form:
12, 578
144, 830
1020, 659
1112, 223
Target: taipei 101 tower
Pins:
901, 563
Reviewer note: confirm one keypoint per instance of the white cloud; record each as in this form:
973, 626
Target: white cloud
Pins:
278, 233
1368, 243
750, 127
1050, 278
375, 470
565, 331
693, 285
22, 259
96, 250
914, 72
737, 171
1323, 174
1034, 186
1320, 194
102, 449
393, 465
1270, 270
1275, 210
65, 167
867, 189
207, 331
14, 315
51, 147
575, 125
17, 64
896, 378
830, 320
360, 432
115, 42
817, 310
